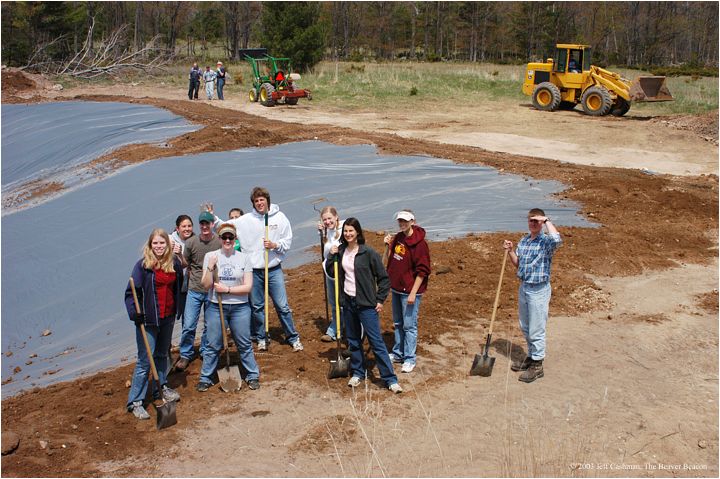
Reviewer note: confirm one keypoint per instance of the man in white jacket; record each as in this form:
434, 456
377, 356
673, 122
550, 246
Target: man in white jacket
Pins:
251, 233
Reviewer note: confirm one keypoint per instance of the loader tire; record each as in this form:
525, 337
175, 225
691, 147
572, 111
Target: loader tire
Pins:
546, 97
253, 95
620, 107
266, 91
596, 101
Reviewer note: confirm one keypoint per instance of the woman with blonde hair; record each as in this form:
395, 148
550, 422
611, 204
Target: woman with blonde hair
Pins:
158, 278
330, 226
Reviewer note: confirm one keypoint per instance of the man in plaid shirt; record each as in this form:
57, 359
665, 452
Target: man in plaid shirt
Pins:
533, 258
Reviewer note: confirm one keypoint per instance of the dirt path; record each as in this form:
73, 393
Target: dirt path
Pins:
632, 369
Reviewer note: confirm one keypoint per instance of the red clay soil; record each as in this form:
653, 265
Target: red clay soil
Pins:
648, 222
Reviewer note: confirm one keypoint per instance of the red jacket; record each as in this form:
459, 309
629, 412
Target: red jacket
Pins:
409, 257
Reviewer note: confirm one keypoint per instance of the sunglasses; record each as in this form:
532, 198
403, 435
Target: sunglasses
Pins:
227, 237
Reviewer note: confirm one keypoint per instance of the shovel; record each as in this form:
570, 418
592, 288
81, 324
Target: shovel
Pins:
228, 377
340, 367
483, 364
267, 326
166, 411
323, 238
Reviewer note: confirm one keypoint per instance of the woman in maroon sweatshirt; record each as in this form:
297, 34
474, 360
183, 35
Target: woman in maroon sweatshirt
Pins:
408, 265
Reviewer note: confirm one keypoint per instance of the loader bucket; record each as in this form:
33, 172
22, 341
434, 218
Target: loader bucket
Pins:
650, 88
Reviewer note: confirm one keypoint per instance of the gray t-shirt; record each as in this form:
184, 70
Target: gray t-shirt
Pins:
195, 250
231, 272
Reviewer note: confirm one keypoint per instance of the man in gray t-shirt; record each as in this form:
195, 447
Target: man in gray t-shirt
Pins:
194, 254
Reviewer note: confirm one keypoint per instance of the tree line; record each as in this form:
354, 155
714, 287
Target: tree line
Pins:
633, 33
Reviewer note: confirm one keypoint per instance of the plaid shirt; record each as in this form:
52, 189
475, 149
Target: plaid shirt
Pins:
535, 257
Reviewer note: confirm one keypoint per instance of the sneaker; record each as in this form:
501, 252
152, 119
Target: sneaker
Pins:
354, 382
408, 367
203, 386
395, 359
326, 338
297, 346
170, 395
139, 411
262, 345
395, 388
254, 384
533, 372
182, 364
521, 366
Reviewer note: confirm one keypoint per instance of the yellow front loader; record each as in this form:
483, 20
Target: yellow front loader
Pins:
569, 78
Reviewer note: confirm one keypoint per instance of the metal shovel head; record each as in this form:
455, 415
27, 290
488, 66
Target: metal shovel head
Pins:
339, 368
166, 414
229, 379
482, 365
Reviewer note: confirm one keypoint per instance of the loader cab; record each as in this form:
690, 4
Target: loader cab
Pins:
571, 58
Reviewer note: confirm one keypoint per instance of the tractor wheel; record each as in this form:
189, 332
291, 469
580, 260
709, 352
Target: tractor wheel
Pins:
291, 101
252, 94
546, 97
266, 91
596, 101
567, 105
620, 107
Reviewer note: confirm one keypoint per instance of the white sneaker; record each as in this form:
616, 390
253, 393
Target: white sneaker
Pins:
408, 367
354, 382
394, 358
395, 388
139, 411
262, 345
297, 346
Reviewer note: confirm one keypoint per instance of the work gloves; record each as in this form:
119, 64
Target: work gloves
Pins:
139, 319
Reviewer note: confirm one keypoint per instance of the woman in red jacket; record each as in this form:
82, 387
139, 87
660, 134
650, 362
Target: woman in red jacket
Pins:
408, 265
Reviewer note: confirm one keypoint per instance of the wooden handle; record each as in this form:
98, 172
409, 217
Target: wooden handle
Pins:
144, 334
497, 293
222, 315
337, 300
267, 236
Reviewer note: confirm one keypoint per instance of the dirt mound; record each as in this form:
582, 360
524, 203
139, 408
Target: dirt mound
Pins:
14, 80
705, 126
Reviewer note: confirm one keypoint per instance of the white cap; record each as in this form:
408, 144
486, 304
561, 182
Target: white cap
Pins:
404, 215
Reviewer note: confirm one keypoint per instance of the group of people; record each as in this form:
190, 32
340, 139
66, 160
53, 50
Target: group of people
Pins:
225, 264
209, 78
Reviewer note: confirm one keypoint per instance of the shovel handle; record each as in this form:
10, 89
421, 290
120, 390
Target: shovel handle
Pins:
144, 334
267, 237
337, 300
222, 315
497, 294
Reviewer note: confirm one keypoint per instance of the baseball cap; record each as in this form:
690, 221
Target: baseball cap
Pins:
404, 215
206, 216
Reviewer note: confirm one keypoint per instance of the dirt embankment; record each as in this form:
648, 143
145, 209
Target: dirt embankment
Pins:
647, 223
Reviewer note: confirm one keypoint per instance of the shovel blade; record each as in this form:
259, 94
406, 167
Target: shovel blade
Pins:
166, 414
339, 368
482, 365
229, 379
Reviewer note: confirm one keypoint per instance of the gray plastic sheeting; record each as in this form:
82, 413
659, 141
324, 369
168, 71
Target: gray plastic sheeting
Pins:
66, 262
44, 139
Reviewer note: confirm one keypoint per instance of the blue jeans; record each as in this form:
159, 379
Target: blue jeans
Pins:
276, 290
209, 90
533, 304
159, 339
237, 316
195, 300
405, 319
331, 330
358, 318
220, 85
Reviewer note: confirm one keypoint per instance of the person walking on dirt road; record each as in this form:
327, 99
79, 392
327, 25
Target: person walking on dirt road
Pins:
158, 281
407, 256
196, 247
251, 233
365, 287
533, 259
194, 77
331, 225
209, 79
233, 283
220, 73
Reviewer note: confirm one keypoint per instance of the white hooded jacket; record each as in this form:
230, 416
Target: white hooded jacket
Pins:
251, 232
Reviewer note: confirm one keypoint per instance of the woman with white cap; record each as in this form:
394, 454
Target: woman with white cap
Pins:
331, 227
233, 282
220, 80
408, 266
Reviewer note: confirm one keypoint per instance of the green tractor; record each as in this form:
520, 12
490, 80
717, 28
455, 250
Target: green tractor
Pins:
274, 82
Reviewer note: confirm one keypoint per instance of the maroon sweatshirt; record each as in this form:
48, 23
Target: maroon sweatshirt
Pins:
409, 257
